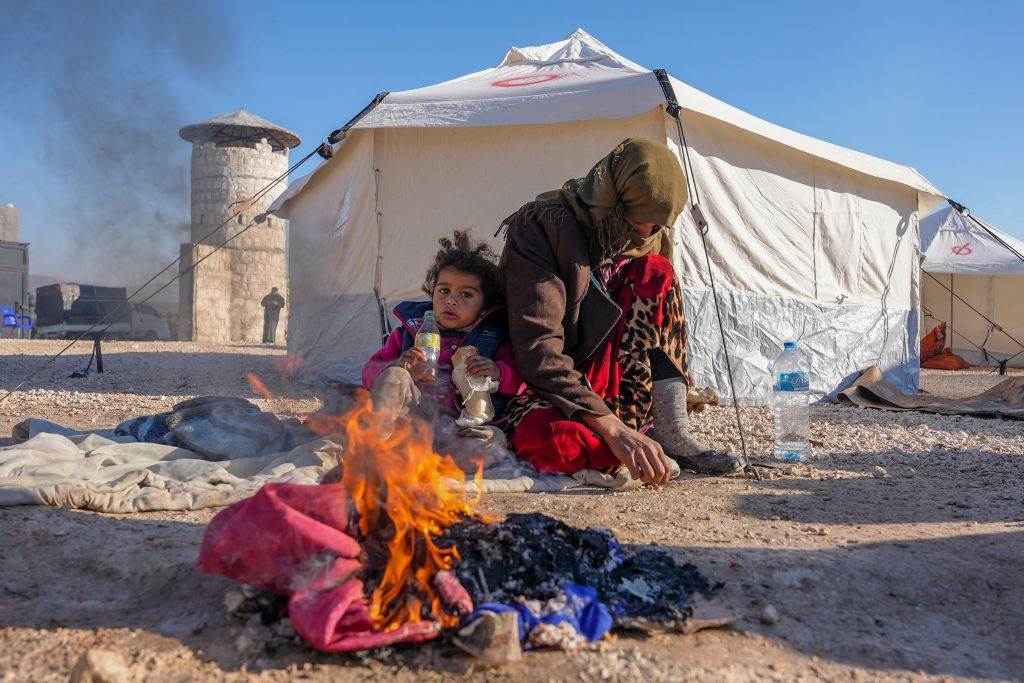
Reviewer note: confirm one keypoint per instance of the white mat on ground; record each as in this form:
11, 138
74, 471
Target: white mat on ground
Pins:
521, 478
91, 472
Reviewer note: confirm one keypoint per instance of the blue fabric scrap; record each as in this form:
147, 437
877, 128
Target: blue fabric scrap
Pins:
575, 604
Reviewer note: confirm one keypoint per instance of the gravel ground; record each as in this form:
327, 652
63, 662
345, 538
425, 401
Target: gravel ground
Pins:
893, 556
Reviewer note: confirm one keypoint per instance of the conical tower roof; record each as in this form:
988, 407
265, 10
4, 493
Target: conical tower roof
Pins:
240, 126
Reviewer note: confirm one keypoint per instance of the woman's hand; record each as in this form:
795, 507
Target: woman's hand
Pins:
643, 456
481, 366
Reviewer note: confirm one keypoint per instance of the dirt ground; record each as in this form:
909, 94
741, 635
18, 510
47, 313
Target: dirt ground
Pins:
896, 556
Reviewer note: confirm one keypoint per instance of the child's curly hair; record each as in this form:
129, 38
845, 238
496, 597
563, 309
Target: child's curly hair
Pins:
464, 255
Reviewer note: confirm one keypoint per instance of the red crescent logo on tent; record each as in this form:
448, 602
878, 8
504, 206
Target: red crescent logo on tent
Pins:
525, 80
963, 249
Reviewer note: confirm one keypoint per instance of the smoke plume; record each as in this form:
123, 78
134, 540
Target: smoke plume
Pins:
110, 79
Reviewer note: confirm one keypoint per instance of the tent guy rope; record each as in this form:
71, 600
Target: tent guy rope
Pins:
674, 109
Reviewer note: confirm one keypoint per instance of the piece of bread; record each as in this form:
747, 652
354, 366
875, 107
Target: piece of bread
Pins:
477, 405
705, 395
464, 353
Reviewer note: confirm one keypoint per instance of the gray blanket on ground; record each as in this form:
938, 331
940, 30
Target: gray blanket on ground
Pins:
95, 473
872, 390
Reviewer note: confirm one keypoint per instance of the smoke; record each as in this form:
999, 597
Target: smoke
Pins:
103, 85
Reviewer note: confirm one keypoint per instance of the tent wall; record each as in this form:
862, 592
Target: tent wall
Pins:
410, 187
996, 296
437, 180
333, 314
802, 249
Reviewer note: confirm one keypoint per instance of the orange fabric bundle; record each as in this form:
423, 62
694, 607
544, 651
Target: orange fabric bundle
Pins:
933, 343
945, 360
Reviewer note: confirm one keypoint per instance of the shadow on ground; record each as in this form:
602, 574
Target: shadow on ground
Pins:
944, 606
148, 373
914, 489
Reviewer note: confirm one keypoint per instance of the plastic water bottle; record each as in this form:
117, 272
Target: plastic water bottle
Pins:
428, 338
791, 374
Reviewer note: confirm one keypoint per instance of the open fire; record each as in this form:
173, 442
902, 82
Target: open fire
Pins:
405, 495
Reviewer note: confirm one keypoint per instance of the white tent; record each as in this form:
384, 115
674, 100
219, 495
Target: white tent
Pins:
808, 240
982, 265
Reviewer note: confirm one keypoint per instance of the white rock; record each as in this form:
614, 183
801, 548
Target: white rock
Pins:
233, 599
100, 666
769, 615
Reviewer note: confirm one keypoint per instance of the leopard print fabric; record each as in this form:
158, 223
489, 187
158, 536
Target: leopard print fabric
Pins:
642, 332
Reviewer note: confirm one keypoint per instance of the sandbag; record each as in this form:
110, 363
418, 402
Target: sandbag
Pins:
933, 343
945, 360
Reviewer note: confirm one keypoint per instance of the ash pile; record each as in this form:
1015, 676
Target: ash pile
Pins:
532, 557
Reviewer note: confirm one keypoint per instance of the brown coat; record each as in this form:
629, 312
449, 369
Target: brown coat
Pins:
557, 315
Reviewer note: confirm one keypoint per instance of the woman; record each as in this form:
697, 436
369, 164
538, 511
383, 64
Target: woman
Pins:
596, 322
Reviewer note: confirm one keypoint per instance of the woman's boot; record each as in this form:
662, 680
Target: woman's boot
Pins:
672, 430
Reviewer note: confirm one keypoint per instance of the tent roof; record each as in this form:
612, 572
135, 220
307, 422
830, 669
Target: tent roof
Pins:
240, 126
579, 78
953, 243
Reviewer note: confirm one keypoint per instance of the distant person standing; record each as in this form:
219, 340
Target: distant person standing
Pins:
272, 304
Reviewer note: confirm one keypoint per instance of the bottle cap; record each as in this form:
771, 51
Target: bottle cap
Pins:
428, 314
789, 345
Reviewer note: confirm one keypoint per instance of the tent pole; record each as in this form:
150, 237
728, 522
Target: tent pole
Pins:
338, 135
385, 327
951, 295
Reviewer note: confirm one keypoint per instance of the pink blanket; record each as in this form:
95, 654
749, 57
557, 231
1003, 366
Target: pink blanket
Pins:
296, 541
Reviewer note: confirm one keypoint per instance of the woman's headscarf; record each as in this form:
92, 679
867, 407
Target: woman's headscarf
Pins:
640, 180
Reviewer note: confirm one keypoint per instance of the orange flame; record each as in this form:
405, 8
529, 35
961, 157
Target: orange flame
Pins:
258, 386
405, 495
288, 366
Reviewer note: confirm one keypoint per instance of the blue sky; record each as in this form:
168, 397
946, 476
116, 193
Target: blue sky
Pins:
93, 92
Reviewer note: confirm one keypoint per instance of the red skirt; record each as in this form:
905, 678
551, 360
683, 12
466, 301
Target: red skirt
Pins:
618, 371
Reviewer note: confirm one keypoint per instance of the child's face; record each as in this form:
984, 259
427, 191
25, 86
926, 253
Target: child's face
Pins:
458, 298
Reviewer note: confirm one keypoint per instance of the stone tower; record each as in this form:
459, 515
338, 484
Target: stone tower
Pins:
234, 156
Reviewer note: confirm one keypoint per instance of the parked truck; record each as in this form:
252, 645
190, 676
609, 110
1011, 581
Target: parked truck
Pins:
14, 275
65, 310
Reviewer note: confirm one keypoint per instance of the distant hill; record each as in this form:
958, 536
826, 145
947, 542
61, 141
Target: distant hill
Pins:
35, 281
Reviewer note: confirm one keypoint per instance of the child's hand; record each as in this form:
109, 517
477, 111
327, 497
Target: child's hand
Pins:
481, 366
412, 357
415, 361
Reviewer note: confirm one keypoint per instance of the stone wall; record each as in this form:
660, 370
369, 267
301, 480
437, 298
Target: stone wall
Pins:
185, 291
211, 295
9, 223
227, 288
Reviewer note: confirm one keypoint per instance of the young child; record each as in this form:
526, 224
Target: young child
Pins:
468, 305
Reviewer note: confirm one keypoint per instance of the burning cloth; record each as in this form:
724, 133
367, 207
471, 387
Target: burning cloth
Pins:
567, 586
300, 541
